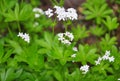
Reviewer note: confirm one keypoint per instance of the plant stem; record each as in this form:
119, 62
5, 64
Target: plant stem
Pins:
65, 28
53, 26
19, 26
10, 32
53, 30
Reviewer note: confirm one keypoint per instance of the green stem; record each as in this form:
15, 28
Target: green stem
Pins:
65, 24
18, 24
53, 30
53, 25
9, 30
65, 28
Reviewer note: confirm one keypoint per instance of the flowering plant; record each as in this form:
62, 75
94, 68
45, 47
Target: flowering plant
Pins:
55, 44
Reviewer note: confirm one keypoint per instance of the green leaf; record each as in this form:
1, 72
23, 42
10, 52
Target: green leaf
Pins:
26, 13
96, 10
110, 78
97, 31
17, 12
7, 55
80, 32
111, 23
63, 61
58, 76
86, 54
6, 4
1, 52
10, 16
107, 42
8, 75
16, 46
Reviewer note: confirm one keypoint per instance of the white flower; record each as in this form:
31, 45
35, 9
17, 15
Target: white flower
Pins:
118, 78
59, 10
98, 61
106, 56
75, 49
63, 39
73, 55
107, 52
73, 61
49, 12
71, 14
84, 68
37, 15
25, 36
63, 14
70, 35
71, 10
20, 35
66, 42
38, 12
111, 59
35, 24
60, 35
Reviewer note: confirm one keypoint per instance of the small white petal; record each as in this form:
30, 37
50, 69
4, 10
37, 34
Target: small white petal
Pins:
25, 36
73, 55
99, 59
107, 53
75, 49
49, 12
35, 24
63, 39
118, 78
97, 62
84, 69
37, 15
38, 12
105, 57
111, 59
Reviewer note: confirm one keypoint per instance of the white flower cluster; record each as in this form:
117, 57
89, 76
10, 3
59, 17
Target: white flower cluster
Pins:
38, 12
66, 38
98, 61
74, 49
105, 57
49, 12
74, 55
62, 14
84, 69
24, 36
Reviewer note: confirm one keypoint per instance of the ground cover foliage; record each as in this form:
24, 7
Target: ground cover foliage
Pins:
51, 40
